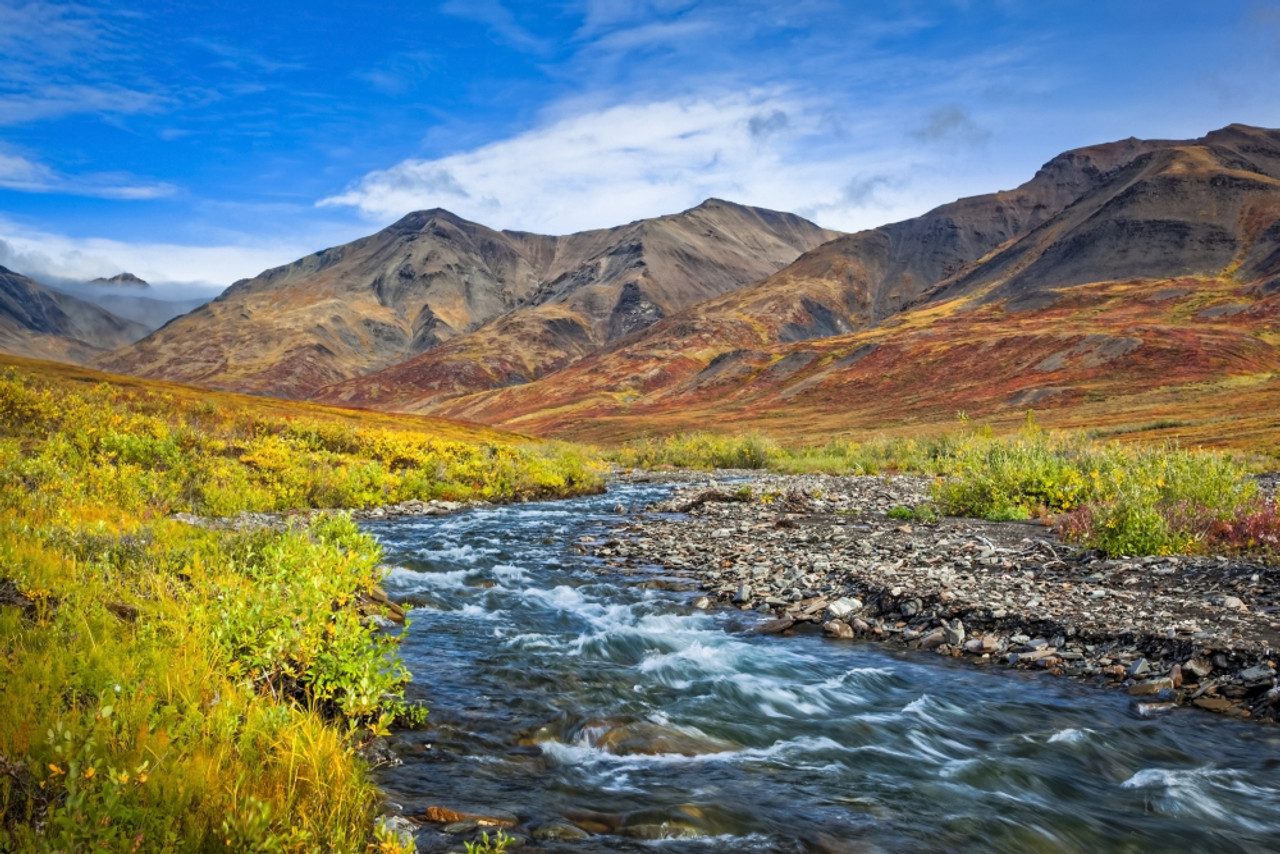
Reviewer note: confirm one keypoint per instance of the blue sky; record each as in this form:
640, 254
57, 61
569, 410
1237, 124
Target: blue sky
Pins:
204, 142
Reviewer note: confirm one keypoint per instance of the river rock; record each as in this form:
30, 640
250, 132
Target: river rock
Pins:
843, 607
447, 816
954, 633
774, 627
457, 828
1255, 675
1214, 704
934, 639
1151, 686
837, 629
666, 830
1198, 667
403, 828
702, 603
649, 739
559, 831
743, 595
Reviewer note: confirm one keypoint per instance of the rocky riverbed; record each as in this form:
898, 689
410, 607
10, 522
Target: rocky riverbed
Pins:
825, 551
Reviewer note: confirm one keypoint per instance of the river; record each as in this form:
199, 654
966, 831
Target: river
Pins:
559, 688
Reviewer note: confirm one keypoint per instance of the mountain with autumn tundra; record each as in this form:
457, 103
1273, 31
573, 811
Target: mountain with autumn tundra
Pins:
1133, 284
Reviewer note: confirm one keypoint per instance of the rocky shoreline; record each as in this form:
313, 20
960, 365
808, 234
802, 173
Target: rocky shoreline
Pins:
796, 549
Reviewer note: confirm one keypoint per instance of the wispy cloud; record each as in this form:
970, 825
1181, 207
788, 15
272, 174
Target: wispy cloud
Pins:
399, 73
28, 176
501, 21
951, 124
53, 101
63, 59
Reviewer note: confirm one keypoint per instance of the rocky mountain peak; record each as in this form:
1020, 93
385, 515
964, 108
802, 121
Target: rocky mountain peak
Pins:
121, 279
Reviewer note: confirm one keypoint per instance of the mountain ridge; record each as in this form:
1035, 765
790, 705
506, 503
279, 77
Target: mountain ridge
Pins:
1187, 226
432, 276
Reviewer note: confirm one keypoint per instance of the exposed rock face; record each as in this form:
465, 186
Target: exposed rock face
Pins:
989, 301
41, 323
433, 278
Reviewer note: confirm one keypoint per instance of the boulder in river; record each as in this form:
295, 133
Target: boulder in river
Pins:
648, 739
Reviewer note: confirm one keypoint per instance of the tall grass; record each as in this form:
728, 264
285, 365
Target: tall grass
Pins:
170, 688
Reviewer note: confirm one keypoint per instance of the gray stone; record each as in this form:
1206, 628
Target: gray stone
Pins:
1261, 673
843, 607
559, 831
1198, 667
1139, 668
743, 595
465, 826
404, 829
954, 633
702, 603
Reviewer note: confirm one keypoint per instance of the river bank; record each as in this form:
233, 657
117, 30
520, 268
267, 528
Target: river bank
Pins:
818, 551
588, 708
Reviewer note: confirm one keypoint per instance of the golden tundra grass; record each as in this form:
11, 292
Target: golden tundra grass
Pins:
169, 688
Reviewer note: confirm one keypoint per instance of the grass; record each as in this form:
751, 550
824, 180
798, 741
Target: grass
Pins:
165, 687
1121, 498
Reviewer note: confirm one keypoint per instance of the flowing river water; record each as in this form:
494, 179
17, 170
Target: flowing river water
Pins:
561, 688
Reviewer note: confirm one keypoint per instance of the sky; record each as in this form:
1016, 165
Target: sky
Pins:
194, 144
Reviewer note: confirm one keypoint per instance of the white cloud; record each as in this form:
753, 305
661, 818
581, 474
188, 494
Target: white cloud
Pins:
607, 166
173, 269
28, 176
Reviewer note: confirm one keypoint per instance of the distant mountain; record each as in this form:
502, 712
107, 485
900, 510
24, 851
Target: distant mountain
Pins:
151, 312
39, 322
502, 307
132, 298
127, 279
1116, 269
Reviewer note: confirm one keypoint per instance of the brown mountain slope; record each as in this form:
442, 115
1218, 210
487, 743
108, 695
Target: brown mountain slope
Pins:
640, 274
432, 277
991, 333
848, 283
41, 323
1197, 358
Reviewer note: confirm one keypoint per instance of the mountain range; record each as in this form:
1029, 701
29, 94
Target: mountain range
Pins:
470, 306
1116, 270
1123, 278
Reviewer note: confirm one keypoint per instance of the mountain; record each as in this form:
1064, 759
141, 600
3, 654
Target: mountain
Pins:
1116, 271
433, 279
125, 279
41, 323
130, 297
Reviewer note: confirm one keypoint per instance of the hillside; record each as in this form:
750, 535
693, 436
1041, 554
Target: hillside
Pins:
1119, 281
433, 278
39, 322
